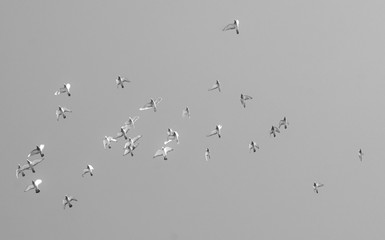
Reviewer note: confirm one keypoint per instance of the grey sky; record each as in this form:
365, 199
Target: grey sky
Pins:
319, 63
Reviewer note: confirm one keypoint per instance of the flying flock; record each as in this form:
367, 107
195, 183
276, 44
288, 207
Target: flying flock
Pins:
132, 143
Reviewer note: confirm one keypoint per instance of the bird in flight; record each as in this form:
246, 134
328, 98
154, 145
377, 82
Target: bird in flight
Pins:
186, 112
131, 145
217, 85
61, 112
29, 166
130, 123
244, 98
120, 81
152, 104
232, 26
89, 169
37, 150
35, 185
360, 154
65, 89
67, 201
107, 141
207, 154
216, 131
123, 132
163, 152
283, 122
274, 130
317, 185
172, 135
253, 146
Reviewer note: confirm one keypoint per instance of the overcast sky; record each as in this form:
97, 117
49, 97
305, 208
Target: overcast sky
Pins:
319, 63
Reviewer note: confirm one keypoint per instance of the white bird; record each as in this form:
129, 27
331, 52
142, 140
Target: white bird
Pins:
253, 146
207, 154
172, 135
244, 98
37, 150
68, 200
89, 170
274, 130
123, 132
120, 81
217, 130
217, 85
35, 185
65, 89
107, 141
61, 111
317, 185
131, 122
232, 26
131, 145
152, 104
186, 112
283, 123
163, 152
360, 154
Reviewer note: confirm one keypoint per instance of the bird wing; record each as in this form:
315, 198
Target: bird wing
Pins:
168, 149
126, 151
29, 187
136, 138
215, 86
212, 133
38, 182
145, 107
85, 171
37, 161
158, 100
229, 27
66, 110
58, 113
246, 97
158, 153
73, 199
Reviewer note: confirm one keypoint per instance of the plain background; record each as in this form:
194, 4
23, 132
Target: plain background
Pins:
319, 63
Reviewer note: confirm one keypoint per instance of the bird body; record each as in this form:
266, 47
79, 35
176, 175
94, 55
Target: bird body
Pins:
253, 146
172, 135
186, 112
37, 150
244, 98
216, 131
107, 141
283, 123
317, 185
65, 89
217, 85
232, 26
89, 169
35, 185
120, 81
67, 201
274, 130
131, 145
61, 112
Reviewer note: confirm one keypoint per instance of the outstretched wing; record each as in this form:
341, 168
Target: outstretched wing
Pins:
158, 153
229, 27
158, 100
212, 133
29, 187
215, 86
168, 149
37, 161
146, 107
136, 138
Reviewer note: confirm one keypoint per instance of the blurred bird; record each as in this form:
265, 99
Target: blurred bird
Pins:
360, 154
152, 104
216, 131
61, 111
283, 122
68, 200
253, 146
37, 150
130, 123
131, 145
217, 85
21, 169
120, 81
317, 185
65, 89
35, 185
107, 141
172, 135
89, 170
123, 132
207, 154
244, 98
186, 112
274, 130
232, 26
163, 152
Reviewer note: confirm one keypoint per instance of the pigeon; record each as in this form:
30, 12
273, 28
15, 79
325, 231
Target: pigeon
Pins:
89, 170
107, 141
68, 200
37, 150
123, 132
33, 163
152, 104
317, 185
21, 169
131, 145
120, 80
65, 89
283, 123
253, 146
61, 111
186, 112
244, 98
172, 135
217, 85
274, 130
130, 123
29, 166
360, 154
216, 131
163, 152
207, 154
35, 185
232, 26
